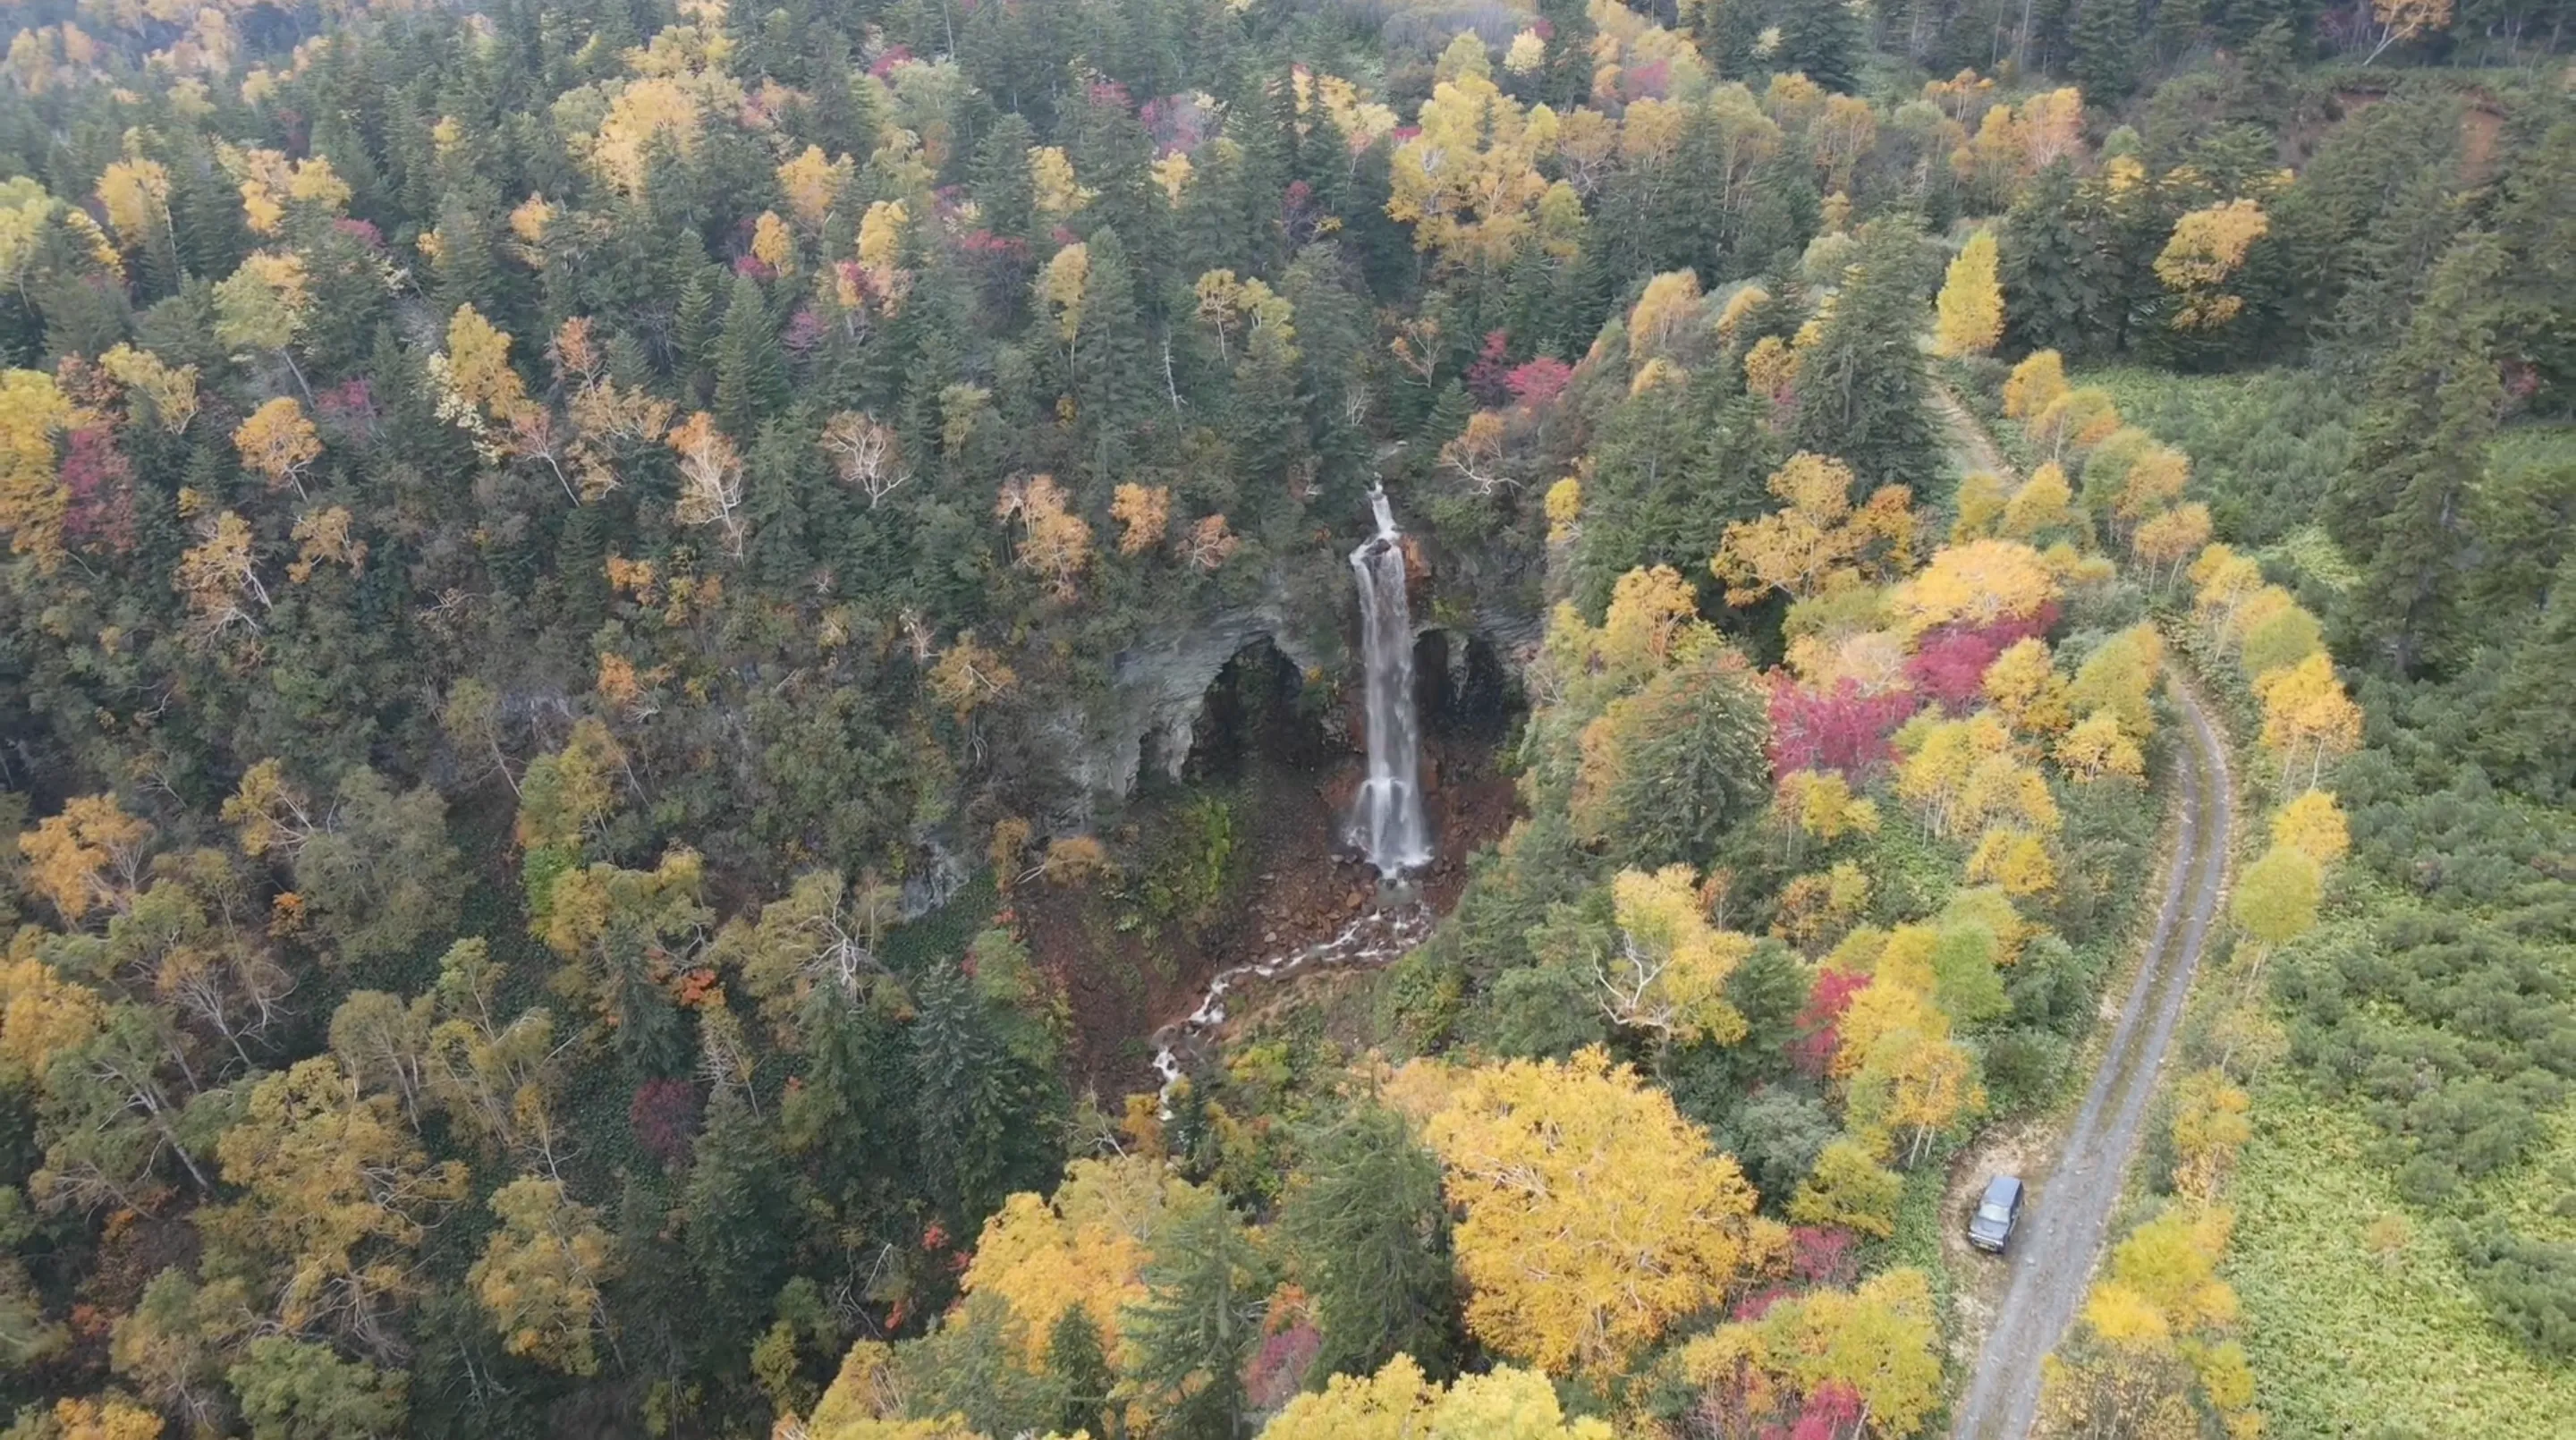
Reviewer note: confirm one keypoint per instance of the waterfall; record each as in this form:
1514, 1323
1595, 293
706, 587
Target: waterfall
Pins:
1386, 822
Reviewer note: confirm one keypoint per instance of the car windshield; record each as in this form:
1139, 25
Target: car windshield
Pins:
1990, 1211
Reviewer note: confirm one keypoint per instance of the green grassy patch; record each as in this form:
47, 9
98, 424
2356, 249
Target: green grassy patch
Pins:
2265, 445
2352, 1338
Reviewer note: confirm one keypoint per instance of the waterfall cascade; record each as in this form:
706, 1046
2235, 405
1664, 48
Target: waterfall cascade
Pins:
1386, 821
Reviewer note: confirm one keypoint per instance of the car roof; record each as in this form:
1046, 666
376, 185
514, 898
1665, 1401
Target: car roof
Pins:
2003, 1188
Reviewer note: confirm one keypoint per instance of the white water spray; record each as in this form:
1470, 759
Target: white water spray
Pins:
1386, 822
1374, 937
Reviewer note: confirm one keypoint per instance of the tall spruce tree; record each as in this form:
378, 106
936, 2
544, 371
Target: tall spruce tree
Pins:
751, 371
2106, 49
2528, 730
1566, 71
978, 1109
1117, 372
2401, 512
1861, 389
1369, 1232
1077, 1360
1201, 1316
740, 1217
1820, 38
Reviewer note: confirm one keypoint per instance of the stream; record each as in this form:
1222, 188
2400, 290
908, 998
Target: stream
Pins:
1375, 937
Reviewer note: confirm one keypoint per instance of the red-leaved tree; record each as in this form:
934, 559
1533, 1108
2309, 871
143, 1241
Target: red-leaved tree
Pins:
98, 490
664, 1117
1950, 661
1842, 730
1819, 1024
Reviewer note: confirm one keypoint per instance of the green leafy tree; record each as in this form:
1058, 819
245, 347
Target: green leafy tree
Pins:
381, 873
295, 1390
172, 1347
118, 1112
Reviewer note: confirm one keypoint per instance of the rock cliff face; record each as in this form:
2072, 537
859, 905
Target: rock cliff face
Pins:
1159, 689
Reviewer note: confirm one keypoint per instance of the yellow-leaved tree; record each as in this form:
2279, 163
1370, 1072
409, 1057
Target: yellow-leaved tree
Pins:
1595, 1214
2207, 248
88, 856
813, 184
1964, 776
1981, 583
1397, 1403
1817, 539
540, 1273
2120, 676
2151, 1349
2275, 900
2026, 689
1468, 180
1143, 513
2098, 747
32, 501
1087, 1246
336, 1195
1055, 543
2034, 385
1971, 304
278, 444
2313, 825
1667, 970
2307, 718
171, 391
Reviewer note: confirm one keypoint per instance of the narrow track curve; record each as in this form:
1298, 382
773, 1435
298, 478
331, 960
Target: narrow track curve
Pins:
2062, 1230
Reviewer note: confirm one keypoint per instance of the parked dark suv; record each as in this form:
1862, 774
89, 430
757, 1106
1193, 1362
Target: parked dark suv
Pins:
1991, 1227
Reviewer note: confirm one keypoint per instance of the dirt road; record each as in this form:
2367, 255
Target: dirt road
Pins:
2062, 1226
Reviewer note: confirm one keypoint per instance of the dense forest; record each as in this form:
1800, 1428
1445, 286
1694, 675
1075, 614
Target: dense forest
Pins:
644, 647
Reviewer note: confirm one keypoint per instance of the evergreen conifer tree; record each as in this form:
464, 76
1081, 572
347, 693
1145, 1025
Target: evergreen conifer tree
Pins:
739, 1217
1206, 1292
1370, 1233
2105, 65
468, 271
1861, 389
780, 557
693, 333
2401, 512
1077, 1360
751, 373
1821, 39
1566, 71
977, 1109
999, 177
2529, 730
1116, 373
2049, 270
